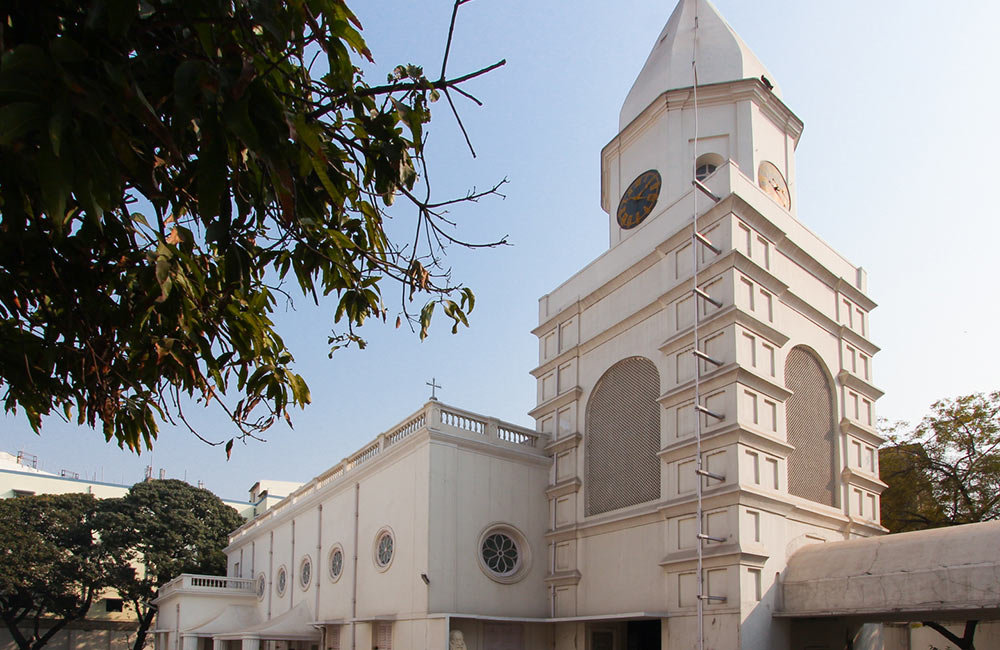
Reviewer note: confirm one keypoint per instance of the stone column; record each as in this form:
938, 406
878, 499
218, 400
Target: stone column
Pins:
251, 644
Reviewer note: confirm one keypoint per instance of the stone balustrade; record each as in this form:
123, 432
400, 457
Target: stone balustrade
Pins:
433, 415
220, 585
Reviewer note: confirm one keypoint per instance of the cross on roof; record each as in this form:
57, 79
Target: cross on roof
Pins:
434, 386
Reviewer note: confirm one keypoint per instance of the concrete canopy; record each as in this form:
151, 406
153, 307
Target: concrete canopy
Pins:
296, 624
232, 617
907, 576
721, 54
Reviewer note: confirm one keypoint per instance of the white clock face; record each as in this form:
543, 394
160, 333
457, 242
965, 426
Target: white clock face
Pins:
772, 182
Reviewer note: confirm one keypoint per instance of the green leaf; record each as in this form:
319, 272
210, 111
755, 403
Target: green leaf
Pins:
213, 171
19, 119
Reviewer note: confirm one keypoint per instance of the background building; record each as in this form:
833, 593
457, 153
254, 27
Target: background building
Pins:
109, 623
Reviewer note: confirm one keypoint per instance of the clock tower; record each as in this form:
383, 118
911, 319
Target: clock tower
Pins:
740, 118
707, 381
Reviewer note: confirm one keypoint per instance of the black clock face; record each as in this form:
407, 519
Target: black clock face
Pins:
639, 199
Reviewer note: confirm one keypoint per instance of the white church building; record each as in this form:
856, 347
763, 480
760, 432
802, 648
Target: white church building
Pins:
705, 415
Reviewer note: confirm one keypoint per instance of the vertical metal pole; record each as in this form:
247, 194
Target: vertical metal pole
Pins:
354, 570
318, 567
700, 578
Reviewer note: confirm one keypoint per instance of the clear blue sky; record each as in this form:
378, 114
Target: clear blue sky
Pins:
896, 170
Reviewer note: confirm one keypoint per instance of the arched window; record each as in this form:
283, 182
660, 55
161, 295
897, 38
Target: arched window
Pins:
810, 421
704, 171
623, 437
706, 165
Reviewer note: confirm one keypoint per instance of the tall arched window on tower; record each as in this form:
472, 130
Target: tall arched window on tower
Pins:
623, 437
810, 424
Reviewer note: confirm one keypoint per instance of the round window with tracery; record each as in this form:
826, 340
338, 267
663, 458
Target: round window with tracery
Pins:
282, 581
385, 546
305, 572
500, 554
504, 555
261, 586
336, 563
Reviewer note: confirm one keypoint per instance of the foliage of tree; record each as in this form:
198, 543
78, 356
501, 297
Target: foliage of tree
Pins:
171, 171
946, 470
167, 528
53, 564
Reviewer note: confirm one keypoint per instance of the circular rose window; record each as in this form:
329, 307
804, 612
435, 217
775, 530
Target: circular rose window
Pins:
282, 581
500, 554
504, 555
385, 547
305, 572
336, 563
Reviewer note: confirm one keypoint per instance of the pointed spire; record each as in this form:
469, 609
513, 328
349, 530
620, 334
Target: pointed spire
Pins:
722, 56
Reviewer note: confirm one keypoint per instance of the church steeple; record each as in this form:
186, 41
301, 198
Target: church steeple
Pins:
736, 124
721, 55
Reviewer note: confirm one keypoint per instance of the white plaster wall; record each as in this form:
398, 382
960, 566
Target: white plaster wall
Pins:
620, 571
338, 529
306, 529
395, 496
281, 552
471, 490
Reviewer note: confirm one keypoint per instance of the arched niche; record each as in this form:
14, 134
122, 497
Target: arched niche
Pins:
810, 424
622, 437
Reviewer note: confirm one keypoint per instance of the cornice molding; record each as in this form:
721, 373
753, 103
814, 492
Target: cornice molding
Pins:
681, 560
563, 578
856, 340
863, 479
734, 434
866, 434
562, 488
849, 379
572, 309
556, 402
560, 445
555, 362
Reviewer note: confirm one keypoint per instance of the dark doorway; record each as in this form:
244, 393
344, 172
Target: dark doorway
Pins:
643, 635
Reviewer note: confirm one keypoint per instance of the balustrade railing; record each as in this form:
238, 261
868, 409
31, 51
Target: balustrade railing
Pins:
516, 436
433, 414
216, 584
400, 432
364, 455
460, 421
